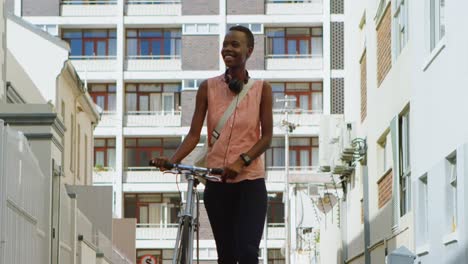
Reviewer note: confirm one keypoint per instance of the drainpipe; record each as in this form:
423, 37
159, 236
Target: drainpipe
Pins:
366, 214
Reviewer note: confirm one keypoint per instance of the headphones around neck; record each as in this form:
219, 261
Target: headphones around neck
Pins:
234, 84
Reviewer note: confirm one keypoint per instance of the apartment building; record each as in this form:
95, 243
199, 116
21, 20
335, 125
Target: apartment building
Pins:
142, 61
404, 100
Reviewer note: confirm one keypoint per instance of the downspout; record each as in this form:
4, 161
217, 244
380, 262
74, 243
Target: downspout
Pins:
366, 214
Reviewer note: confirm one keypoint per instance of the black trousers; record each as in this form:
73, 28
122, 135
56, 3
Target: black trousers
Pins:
237, 214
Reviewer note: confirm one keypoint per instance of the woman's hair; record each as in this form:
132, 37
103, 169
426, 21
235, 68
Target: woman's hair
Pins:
247, 32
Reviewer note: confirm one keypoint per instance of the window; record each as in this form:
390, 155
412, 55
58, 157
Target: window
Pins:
152, 97
255, 28
294, 42
400, 26
200, 29
138, 151
385, 153
303, 153
423, 205
103, 95
451, 194
154, 43
192, 84
437, 21
275, 213
91, 42
405, 168
104, 152
86, 173
308, 95
152, 210
275, 256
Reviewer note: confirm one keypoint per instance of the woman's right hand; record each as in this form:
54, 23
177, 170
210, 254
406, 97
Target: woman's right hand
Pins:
159, 162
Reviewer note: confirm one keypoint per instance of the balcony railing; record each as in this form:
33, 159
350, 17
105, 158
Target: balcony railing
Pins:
156, 231
108, 119
88, 8
104, 175
276, 231
94, 63
153, 118
146, 175
153, 7
299, 117
279, 7
294, 61
153, 62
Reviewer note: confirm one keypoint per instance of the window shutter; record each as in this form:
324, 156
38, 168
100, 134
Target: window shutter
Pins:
396, 171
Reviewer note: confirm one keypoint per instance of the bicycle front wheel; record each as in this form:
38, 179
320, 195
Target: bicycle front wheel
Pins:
184, 245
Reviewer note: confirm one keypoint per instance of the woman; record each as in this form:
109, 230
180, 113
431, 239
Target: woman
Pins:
237, 207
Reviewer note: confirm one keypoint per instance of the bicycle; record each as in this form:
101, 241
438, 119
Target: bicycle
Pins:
188, 217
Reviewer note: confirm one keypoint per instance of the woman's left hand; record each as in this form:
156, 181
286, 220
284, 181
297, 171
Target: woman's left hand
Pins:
232, 170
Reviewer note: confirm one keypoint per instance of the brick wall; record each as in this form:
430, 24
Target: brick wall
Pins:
385, 186
363, 87
257, 61
245, 7
200, 7
188, 106
41, 8
384, 46
205, 228
200, 53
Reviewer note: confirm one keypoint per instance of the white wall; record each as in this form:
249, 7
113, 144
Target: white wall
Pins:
42, 61
438, 127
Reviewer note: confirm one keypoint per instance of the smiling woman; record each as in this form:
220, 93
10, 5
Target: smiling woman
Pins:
236, 207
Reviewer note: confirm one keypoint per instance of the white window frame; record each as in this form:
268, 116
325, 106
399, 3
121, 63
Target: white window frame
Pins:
436, 22
385, 153
186, 84
451, 176
200, 29
405, 193
423, 207
400, 27
249, 26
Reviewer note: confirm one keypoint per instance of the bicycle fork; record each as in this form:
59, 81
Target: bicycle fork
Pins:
183, 251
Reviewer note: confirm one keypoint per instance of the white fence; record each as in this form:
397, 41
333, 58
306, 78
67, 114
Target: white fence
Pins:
24, 202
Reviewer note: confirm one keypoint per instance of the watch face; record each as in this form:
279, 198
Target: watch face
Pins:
246, 159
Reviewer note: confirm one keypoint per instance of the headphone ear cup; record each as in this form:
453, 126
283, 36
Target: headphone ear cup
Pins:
235, 85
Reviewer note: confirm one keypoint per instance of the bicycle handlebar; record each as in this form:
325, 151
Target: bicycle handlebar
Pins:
199, 171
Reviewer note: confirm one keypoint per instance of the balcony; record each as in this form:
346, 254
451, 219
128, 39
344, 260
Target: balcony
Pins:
156, 231
81, 8
153, 8
286, 7
294, 62
108, 119
153, 63
276, 231
299, 117
94, 63
146, 175
104, 175
153, 118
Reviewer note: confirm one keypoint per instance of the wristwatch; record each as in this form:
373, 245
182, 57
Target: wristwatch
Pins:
247, 160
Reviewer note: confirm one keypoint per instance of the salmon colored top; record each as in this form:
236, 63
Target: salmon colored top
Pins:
240, 132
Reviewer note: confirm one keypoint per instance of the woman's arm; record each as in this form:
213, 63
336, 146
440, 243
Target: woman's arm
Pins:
191, 140
266, 119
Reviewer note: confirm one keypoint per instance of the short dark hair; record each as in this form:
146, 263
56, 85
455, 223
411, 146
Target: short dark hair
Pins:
247, 32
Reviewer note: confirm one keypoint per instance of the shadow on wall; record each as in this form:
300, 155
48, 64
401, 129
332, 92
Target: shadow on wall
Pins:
383, 242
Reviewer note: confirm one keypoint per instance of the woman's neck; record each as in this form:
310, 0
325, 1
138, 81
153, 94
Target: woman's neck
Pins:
238, 73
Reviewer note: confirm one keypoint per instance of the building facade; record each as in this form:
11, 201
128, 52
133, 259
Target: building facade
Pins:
405, 196
142, 62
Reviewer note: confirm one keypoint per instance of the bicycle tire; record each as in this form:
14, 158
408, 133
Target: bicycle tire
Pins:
183, 246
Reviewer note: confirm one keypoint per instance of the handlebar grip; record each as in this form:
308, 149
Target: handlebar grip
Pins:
217, 171
168, 165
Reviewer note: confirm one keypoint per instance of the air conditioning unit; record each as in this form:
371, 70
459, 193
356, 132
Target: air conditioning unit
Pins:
330, 141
